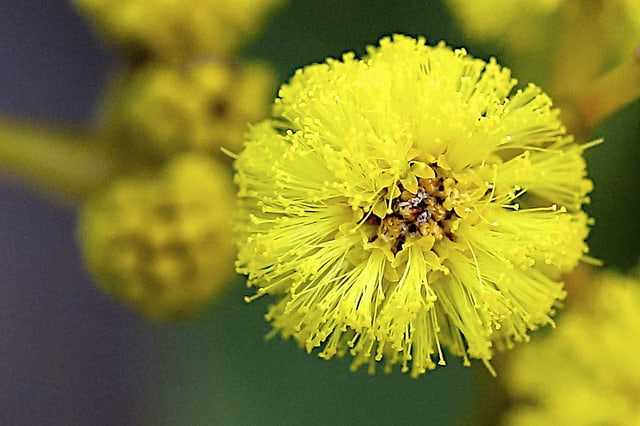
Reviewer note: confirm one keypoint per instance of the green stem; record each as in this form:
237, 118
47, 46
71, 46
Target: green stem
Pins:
58, 162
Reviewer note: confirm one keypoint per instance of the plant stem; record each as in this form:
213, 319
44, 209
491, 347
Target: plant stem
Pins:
57, 162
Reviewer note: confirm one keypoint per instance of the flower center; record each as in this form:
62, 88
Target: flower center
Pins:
427, 212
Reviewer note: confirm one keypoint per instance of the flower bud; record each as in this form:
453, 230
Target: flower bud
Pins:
586, 372
177, 29
161, 243
168, 110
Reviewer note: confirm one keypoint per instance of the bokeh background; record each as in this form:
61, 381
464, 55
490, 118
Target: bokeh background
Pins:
70, 356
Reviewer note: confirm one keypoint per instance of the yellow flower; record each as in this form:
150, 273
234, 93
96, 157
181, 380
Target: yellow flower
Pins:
161, 111
522, 25
178, 29
587, 372
620, 23
379, 206
162, 243
517, 24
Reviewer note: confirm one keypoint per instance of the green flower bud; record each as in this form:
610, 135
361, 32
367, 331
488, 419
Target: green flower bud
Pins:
177, 29
167, 110
161, 243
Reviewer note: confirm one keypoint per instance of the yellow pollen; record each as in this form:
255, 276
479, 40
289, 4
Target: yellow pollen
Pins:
424, 212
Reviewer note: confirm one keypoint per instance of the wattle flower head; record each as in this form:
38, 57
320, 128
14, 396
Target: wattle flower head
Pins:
521, 26
407, 202
159, 111
587, 372
178, 29
160, 242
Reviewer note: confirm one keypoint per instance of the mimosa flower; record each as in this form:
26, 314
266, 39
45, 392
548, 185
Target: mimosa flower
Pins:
586, 373
178, 29
407, 202
162, 110
517, 24
620, 20
523, 25
161, 243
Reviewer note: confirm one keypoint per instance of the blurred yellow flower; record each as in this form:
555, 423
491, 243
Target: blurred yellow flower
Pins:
620, 24
379, 206
161, 243
178, 29
517, 24
162, 110
522, 25
587, 372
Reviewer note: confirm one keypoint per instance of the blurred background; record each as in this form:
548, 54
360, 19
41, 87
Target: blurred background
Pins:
71, 356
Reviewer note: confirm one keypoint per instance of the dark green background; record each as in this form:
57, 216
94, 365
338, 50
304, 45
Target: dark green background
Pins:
222, 372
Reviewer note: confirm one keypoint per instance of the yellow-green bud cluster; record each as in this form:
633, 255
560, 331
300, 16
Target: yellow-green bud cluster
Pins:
161, 243
178, 29
523, 25
493, 20
586, 373
164, 110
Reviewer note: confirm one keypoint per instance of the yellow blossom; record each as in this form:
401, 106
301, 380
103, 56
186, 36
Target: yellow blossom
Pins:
162, 110
587, 372
522, 25
161, 243
380, 207
620, 21
517, 24
178, 29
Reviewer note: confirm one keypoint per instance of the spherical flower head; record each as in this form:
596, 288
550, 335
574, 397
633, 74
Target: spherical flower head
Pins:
524, 25
379, 206
161, 243
513, 22
178, 29
621, 21
587, 372
163, 110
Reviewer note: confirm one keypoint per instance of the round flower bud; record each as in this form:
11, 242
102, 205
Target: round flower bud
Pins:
162, 110
525, 25
178, 29
161, 243
518, 24
587, 372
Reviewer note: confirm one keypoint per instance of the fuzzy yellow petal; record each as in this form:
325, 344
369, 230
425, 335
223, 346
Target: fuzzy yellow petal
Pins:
377, 208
